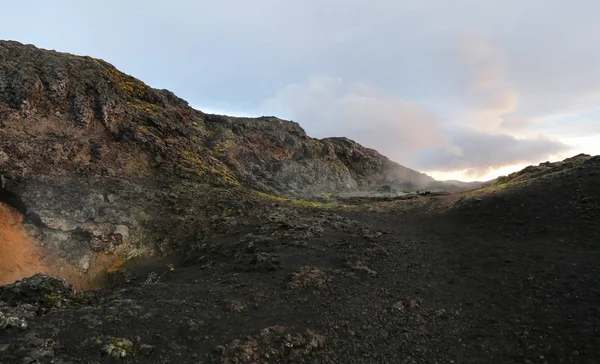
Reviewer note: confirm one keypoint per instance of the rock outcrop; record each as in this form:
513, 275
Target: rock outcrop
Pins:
64, 115
99, 162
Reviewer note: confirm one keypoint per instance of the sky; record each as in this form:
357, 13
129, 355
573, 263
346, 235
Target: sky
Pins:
459, 89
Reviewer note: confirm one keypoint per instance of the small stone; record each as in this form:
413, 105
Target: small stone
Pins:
195, 325
96, 232
235, 306
146, 349
56, 223
118, 347
307, 277
12, 322
265, 262
398, 306
122, 230
95, 198
413, 303
84, 262
40, 290
111, 198
3, 157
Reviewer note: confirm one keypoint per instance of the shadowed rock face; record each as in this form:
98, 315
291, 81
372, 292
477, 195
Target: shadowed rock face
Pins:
99, 162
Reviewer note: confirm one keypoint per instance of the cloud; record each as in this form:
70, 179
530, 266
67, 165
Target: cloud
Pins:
486, 78
402, 129
476, 153
409, 70
327, 106
516, 123
491, 97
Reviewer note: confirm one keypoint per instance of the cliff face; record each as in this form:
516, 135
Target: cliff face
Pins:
63, 115
99, 161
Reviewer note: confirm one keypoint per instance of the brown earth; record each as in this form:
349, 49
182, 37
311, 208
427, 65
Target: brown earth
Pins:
20, 257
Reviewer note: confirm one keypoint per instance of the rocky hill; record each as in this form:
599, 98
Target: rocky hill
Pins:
75, 115
558, 198
97, 159
542, 169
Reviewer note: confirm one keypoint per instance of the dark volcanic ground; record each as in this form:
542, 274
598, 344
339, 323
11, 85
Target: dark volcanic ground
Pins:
508, 274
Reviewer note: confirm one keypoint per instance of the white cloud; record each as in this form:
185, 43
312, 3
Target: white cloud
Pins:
490, 95
327, 106
401, 129
411, 72
482, 152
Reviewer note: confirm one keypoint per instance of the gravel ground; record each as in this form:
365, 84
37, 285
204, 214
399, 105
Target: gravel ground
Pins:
495, 276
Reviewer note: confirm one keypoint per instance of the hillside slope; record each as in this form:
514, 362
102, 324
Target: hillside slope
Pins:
507, 274
79, 115
99, 162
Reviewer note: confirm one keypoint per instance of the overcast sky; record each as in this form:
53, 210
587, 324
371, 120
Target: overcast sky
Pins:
463, 89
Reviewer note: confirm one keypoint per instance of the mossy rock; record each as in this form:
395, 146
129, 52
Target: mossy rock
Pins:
41, 290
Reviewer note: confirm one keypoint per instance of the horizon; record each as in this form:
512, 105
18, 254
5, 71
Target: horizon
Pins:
470, 91
452, 176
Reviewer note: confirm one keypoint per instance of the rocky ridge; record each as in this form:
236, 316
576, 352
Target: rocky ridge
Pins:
99, 162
